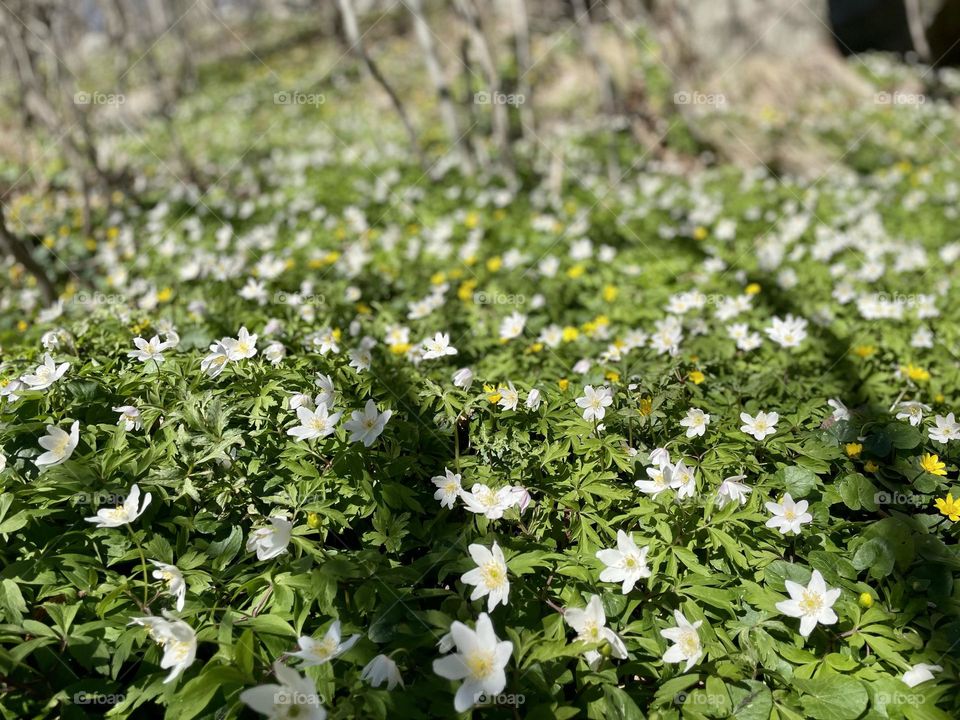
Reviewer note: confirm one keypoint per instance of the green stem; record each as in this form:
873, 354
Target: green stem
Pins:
143, 562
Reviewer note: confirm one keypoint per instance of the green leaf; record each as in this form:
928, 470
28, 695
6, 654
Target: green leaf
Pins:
834, 697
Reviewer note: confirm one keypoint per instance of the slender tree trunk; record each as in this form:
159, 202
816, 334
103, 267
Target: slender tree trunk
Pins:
521, 39
501, 129
448, 113
355, 40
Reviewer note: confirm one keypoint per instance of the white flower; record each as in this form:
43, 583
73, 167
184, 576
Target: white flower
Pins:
45, 375
59, 445
686, 641
840, 411
360, 358
463, 378
122, 514
626, 564
295, 697
483, 500
3, 461
788, 332
512, 326
912, 412
129, 417
366, 426
731, 490
327, 340
147, 350
682, 479
659, 480
519, 496
479, 661
920, 673
8, 389
269, 542
448, 488
695, 421
489, 577
245, 346
275, 353
314, 423
438, 347
533, 400
214, 363
590, 624
509, 397
317, 652
382, 670
788, 516
812, 604
947, 429
327, 391
594, 402
178, 640
760, 426
171, 575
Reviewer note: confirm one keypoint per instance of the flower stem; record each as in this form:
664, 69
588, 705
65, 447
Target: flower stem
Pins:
143, 563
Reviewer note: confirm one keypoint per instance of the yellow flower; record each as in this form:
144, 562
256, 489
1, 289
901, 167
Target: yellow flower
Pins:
90, 244
866, 600
471, 220
700, 233
610, 293
331, 257
113, 233
164, 295
871, 466
932, 464
864, 351
316, 263
752, 289
697, 377
570, 334
536, 347
494, 264
22, 326
613, 376
400, 348
646, 406
465, 291
49, 242
494, 398
456, 274
363, 309
563, 383
939, 398
949, 507
438, 278
313, 520
576, 271
916, 373
853, 449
